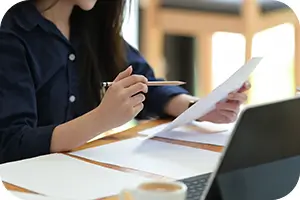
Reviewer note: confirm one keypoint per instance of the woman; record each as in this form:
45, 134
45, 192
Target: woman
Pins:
54, 55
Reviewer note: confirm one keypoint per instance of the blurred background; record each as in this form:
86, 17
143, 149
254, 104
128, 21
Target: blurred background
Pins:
203, 42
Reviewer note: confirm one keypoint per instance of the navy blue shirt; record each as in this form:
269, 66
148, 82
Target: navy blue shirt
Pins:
39, 83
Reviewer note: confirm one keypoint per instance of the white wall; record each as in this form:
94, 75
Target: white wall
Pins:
130, 28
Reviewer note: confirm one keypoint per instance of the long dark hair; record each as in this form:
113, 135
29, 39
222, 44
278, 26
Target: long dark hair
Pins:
101, 51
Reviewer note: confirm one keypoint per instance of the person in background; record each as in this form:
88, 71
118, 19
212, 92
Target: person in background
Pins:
54, 55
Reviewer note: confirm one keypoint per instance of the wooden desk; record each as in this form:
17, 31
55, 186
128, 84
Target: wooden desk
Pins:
130, 133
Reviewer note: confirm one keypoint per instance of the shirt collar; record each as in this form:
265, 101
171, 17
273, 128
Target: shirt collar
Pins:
28, 17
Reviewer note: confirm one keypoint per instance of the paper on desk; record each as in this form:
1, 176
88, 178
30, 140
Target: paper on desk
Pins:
199, 132
206, 104
169, 160
5, 194
28, 196
63, 177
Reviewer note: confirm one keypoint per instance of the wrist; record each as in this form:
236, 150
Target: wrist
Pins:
77, 132
179, 104
102, 123
192, 102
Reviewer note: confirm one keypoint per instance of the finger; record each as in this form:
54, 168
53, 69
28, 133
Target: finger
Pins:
138, 108
137, 99
246, 86
136, 88
228, 116
133, 79
240, 97
124, 74
228, 106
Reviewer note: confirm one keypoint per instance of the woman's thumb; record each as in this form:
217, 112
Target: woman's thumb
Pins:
124, 74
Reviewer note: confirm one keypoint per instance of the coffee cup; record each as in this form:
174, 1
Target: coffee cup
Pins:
156, 190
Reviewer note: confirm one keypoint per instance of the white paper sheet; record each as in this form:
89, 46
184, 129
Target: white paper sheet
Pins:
28, 196
170, 160
63, 177
206, 104
199, 132
5, 194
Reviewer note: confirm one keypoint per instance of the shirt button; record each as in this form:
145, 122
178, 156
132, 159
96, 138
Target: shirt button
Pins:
72, 98
72, 57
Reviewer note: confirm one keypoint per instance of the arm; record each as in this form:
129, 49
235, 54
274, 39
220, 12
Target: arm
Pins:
77, 132
20, 135
179, 104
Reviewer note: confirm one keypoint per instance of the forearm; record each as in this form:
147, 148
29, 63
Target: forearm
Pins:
179, 104
78, 131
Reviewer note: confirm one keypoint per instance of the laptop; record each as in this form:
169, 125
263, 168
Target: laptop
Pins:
261, 160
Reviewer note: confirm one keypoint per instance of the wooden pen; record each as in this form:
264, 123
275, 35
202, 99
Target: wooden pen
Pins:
154, 83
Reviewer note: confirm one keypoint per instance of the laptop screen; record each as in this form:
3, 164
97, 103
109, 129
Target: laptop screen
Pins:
262, 160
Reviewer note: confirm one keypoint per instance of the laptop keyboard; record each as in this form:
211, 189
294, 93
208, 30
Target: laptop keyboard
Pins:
196, 185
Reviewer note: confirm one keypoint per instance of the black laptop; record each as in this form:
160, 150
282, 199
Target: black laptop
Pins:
261, 160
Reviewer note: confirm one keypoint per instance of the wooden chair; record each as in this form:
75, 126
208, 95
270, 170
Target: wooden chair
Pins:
200, 19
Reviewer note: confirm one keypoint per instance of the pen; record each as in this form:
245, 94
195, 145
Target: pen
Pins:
153, 83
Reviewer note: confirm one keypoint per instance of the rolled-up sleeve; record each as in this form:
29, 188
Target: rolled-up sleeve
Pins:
20, 137
157, 96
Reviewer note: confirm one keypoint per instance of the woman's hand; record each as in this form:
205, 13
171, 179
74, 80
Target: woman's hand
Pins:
120, 104
227, 111
124, 99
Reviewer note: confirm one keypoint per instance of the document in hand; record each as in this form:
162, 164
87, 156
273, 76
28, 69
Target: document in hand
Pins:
207, 104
